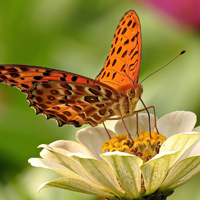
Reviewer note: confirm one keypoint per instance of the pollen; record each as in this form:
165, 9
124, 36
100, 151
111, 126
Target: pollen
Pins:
145, 146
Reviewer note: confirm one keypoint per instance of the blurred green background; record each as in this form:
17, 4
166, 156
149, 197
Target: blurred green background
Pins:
75, 36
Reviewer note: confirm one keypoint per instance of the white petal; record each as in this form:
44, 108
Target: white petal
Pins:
71, 164
195, 151
182, 172
64, 147
176, 122
92, 139
179, 142
143, 124
102, 172
46, 154
48, 164
155, 170
76, 183
197, 129
127, 170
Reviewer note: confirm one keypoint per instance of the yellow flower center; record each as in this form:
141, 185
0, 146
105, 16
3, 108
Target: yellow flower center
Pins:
145, 146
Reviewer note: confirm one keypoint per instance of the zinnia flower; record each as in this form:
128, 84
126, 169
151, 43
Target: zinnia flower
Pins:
150, 165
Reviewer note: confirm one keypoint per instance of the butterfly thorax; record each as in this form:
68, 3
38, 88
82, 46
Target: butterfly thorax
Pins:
127, 102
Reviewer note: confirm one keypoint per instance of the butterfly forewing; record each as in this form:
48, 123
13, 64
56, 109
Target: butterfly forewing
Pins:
123, 61
25, 76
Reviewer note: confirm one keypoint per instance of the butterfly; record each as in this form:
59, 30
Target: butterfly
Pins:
74, 99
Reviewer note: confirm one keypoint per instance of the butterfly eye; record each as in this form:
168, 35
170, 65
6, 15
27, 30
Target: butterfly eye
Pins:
130, 93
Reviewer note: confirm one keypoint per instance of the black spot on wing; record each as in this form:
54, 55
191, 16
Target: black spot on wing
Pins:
119, 49
13, 70
119, 31
74, 78
114, 74
24, 85
114, 62
108, 63
37, 77
3, 77
13, 81
129, 23
134, 24
46, 74
62, 78
14, 75
126, 42
123, 67
116, 40
61, 101
2, 67
124, 54
124, 30
134, 55
104, 73
113, 50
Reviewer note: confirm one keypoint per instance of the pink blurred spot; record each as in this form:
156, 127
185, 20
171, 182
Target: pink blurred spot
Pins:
186, 11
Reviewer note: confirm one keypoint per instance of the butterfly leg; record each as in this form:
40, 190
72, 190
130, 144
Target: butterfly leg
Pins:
154, 113
127, 129
107, 130
155, 120
137, 128
147, 114
138, 111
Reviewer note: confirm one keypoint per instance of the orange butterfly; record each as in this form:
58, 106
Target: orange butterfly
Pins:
74, 99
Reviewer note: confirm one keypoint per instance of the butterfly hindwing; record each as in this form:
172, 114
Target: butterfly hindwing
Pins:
72, 103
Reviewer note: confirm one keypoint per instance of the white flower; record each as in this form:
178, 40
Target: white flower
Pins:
120, 175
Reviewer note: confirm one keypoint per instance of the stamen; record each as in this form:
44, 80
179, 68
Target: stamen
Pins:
146, 145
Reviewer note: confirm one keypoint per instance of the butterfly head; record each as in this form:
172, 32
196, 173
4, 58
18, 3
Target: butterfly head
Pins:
134, 95
135, 92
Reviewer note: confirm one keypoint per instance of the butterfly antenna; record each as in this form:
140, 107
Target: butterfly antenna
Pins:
130, 79
182, 52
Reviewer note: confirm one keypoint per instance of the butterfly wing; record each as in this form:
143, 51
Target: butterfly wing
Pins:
66, 97
25, 76
121, 69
